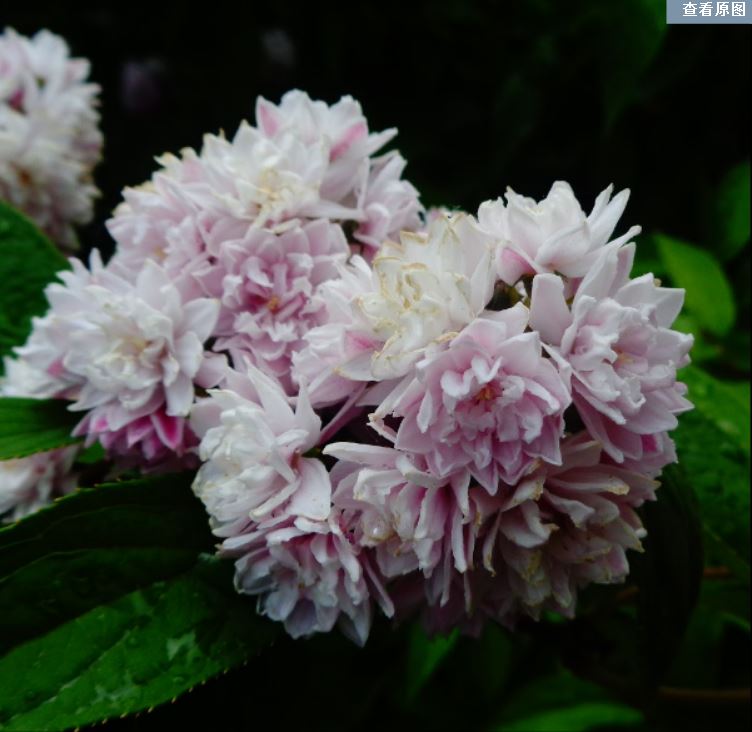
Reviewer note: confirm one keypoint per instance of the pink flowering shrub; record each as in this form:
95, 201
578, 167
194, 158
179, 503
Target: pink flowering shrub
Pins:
441, 414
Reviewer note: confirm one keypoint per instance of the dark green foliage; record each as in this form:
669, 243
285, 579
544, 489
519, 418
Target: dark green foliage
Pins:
109, 606
28, 262
34, 425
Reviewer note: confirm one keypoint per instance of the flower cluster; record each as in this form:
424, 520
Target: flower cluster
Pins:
218, 259
478, 414
441, 413
49, 135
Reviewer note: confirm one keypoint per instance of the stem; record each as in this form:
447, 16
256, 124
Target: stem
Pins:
347, 412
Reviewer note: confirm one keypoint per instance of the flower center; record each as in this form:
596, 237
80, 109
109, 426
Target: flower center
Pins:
486, 394
272, 304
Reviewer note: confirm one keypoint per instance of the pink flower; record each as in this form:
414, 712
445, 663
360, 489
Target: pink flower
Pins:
412, 520
559, 530
488, 402
127, 353
553, 235
389, 204
30, 483
385, 317
253, 447
308, 575
340, 131
267, 287
342, 337
616, 340
49, 135
271, 505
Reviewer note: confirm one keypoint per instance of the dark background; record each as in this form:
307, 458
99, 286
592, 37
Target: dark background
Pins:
486, 95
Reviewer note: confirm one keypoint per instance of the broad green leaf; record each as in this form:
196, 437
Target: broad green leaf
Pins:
562, 702
28, 262
131, 654
709, 299
93, 546
668, 573
424, 656
68, 522
34, 425
59, 587
731, 221
108, 606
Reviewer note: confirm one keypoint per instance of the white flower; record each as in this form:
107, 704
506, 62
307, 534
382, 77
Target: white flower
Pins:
552, 235
389, 203
340, 131
49, 135
382, 318
426, 288
253, 446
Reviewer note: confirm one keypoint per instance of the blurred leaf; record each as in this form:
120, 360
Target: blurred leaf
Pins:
647, 259
709, 298
702, 350
424, 656
628, 53
28, 262
698, 664
91, 455
141, 650
731, 222
563, 702
668, 574
34, 425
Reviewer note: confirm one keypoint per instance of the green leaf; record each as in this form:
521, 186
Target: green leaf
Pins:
562, 702
34, 425
703, 349
718, 470
709, 298
725, 404
424, 656
136, 652
93, 546
713, 444
628, 54
28, 262
106, 601
723, 602
731, 220
668, 573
